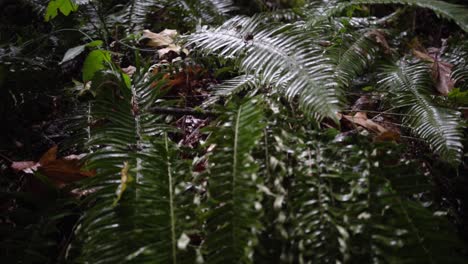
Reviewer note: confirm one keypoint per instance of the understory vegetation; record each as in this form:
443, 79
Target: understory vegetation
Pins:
233, 131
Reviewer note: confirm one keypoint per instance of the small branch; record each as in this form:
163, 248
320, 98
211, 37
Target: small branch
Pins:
5, 158
183, 111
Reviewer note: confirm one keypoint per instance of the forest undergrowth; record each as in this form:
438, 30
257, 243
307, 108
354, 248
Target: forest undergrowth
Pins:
233, 131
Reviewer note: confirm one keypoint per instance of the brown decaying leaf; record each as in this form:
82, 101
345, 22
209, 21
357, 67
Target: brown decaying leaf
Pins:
383, 133
130, 70
26, 166
180, 79
59, 171
360, 118
379, 37
387, 136
164, 41
441, 70
157, 40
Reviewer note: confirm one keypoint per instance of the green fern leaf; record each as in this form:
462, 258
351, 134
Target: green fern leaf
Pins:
232, 222
284, 56
454, 12
351, 60
438, 126
136, 12
134, 212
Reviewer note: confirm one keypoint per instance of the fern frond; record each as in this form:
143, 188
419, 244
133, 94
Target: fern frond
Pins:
282, 55
440, 127
359, 201
458, 57
236, 85
280, 15
232, 87
232, 223
318, 234
454, 12
220, 6
397, 227
134, 213
136, 13
38, 6
352, 59
209, 11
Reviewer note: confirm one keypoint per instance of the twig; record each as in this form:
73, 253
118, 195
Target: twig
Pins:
5, 158
184, 111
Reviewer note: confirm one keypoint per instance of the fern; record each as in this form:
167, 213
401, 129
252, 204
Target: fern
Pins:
458, 57
352, 59
209, 11
30, 231
232, 87
454, 12
38, 6
136, 12
232, 222
283, 56
352, 209
440, 127
317, 234
134, 204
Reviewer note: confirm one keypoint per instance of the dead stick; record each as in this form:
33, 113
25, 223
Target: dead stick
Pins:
183, 111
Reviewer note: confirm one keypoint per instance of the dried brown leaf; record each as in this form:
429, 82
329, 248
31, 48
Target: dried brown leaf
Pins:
157, 40
25, 166
360, 118
445, 82
441, 70
130, 70
60, 171
387, 136
380, 38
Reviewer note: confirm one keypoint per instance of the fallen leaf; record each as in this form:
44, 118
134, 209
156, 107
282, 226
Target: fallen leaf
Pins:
360, 118
387, 136
169, 49
49, 156
423, 56
130, 70
172, 33
441, 70
162, 39
25, 166
59, 171
180, 79
64, 171
379, 37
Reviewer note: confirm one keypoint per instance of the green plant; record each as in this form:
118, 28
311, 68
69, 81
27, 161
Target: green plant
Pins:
275, 173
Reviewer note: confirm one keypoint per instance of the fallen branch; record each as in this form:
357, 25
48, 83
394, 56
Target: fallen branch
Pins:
183, 111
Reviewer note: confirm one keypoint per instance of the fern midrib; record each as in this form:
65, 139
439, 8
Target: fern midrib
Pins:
136, 117
171, 201
234, 174
429, 110
415, 230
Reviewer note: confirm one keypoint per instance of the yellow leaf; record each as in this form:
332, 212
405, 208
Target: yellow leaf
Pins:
124, 180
